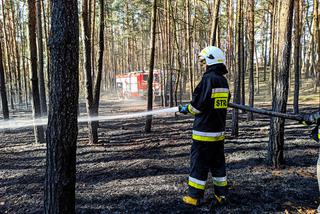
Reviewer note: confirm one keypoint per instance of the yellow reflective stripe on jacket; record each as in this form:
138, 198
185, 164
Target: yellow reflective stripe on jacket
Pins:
220, 181
208, 136
193, 110
319, 132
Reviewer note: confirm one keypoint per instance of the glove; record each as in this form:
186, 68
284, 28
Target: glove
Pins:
183, 109
316, 134
310, 119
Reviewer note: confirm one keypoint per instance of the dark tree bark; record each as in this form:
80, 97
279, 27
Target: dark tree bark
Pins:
251, 56
297, 55
7, 65
3, 93
230, 53
17, 55
62, 128
38, 130
170, 53
317, 41
189, 56
43, 100
215, 21
272, 45
93, 136
95, 124
151, 66
238, 72
279, 102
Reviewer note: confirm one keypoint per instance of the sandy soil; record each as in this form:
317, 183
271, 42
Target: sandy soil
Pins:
133, 172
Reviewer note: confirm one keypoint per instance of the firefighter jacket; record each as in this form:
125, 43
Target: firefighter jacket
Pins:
209, 105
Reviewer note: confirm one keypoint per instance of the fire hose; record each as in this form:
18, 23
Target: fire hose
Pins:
308, 119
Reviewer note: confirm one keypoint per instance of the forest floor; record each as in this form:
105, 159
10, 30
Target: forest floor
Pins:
130, 171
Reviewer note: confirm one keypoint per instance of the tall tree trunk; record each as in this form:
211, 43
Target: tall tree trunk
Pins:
215, 20
297, 54
151, 66
43, 100
230, 55
95, 124
238, 72
272, 48
279, 103
317, 40
93, 136
7, 65
93, 32
243, 57
62, 128
3, 93
251, 56
38, 130
177, 48
169, 57
46, 29
266, 38
189, 56
17, 55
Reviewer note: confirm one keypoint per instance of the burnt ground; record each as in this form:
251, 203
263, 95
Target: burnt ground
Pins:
133, 172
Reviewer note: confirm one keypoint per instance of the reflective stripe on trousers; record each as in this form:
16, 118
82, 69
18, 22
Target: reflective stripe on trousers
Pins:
220, 181
196, 183
207, 136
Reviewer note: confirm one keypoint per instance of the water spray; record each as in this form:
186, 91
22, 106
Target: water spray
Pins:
14, 124
24, 123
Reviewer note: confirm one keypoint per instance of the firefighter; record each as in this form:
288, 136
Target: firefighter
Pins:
209, 106
310, 119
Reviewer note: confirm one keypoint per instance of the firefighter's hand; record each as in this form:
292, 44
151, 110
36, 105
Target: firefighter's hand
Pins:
313, 118
183, 109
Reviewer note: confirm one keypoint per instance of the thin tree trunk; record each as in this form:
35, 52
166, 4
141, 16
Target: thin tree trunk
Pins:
317, 40
189, 56
230, 42
43, 100
93, 136
169, 57
237, 86
17, 55
151, 67
38, 130
7, 65
279, 104
272, 48
266, 38
96, 100
297, 55
3, 93
251, 57
215, 20
62, 128
178, 56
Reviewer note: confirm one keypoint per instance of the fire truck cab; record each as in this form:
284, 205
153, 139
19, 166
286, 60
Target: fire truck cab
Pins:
135, 84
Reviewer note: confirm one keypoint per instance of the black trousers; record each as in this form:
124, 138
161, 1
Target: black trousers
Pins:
205, 157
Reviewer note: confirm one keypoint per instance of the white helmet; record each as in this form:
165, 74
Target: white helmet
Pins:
212, 55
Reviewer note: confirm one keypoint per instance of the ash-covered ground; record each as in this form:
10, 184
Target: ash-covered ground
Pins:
133, 172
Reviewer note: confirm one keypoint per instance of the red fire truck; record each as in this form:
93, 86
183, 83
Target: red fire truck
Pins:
135, 84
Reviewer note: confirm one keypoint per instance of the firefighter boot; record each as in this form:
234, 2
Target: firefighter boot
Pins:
218, 201
192, 201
